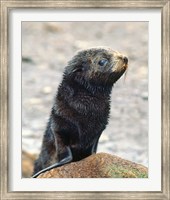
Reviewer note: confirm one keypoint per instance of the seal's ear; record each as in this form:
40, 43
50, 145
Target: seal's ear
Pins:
84, 66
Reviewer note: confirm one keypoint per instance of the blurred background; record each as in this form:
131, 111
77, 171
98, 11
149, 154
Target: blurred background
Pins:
46, 49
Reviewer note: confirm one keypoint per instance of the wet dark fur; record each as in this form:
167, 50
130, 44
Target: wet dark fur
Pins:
80, 111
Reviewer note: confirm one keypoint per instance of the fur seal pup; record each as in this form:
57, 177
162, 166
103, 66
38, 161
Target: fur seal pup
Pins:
81, 107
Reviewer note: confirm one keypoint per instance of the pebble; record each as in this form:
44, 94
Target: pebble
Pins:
34, 101
47, 90
144, 95
104, 138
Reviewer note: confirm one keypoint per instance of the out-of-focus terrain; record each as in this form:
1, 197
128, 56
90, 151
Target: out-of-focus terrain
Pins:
46, 49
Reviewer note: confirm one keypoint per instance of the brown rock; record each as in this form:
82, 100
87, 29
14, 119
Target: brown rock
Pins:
27, 164
99, 165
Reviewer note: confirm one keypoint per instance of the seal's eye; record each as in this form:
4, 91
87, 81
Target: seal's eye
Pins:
103, 62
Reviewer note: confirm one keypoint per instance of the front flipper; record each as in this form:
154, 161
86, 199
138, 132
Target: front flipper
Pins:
65, 160
94, 147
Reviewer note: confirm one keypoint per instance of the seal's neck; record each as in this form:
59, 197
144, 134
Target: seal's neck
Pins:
92, 87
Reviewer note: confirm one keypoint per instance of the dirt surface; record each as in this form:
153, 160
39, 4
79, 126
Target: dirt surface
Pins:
46, 49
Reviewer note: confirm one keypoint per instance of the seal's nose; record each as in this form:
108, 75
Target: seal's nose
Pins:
125, 59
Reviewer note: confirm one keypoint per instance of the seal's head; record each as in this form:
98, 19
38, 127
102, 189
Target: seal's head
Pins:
97, 65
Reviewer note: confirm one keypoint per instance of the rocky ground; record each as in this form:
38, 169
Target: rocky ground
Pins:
46, 48
100, 165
